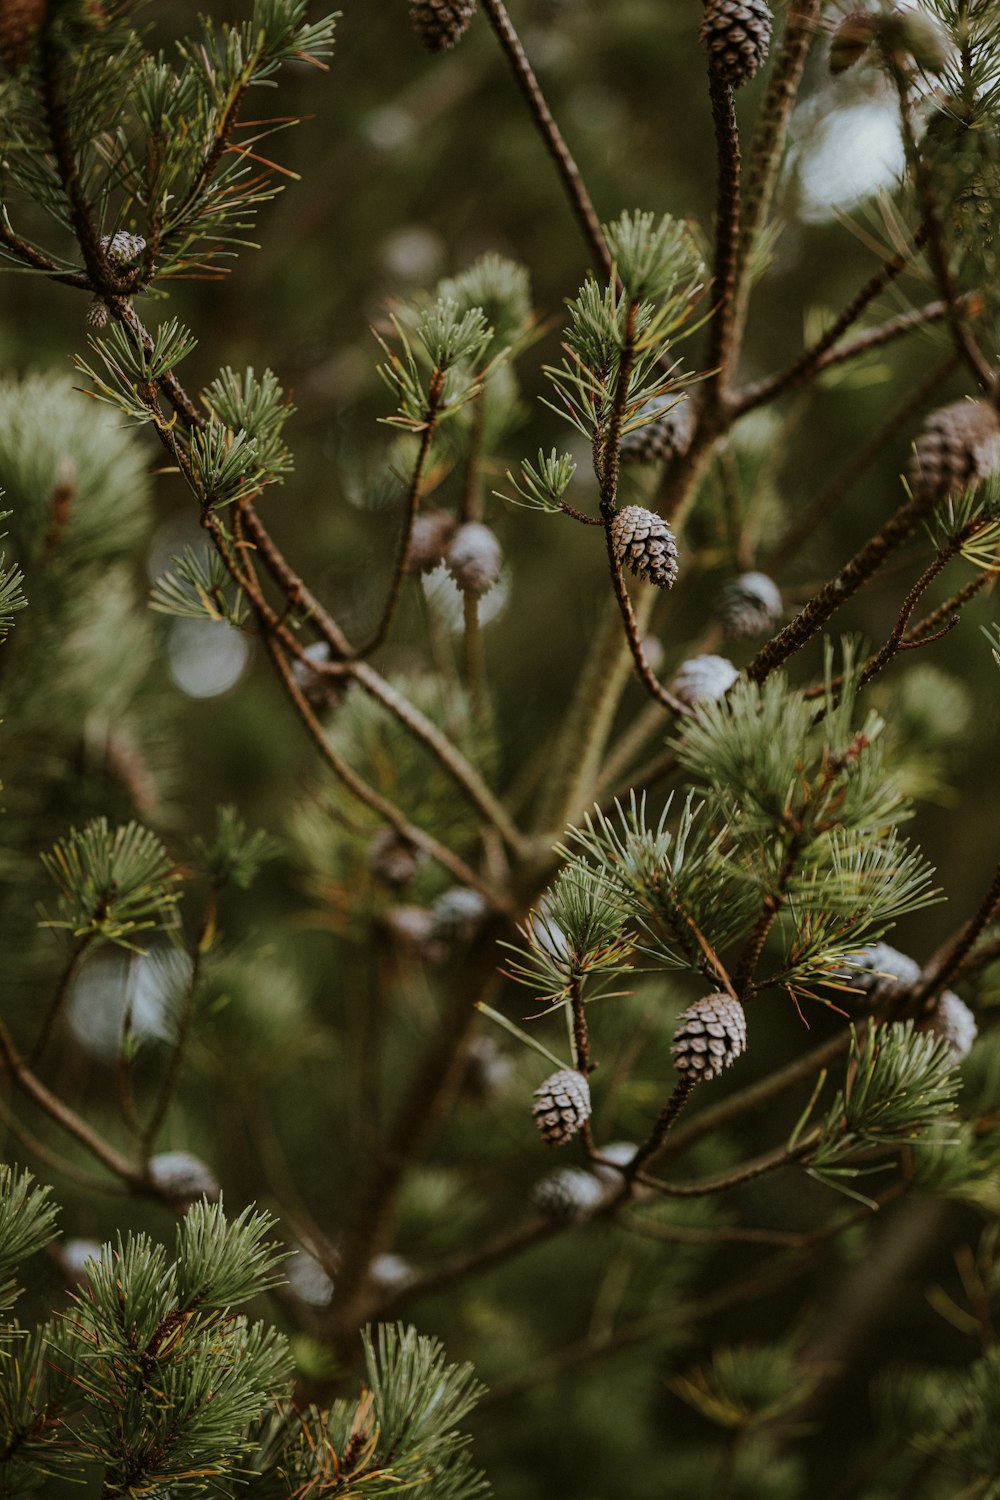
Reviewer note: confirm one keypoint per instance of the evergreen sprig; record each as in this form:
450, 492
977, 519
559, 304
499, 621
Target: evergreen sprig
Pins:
257, 406
27, 1223
199, 588
899, 1086
578, 934
236, 853
656, 259
113, 883
543, 488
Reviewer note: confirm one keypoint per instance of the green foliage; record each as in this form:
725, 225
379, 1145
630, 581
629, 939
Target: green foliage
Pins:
900, 1086
501, 290
198, 587
543, 488
578, 935
658, 261
112, 883
745, 1387
236, 854
27, 1222
259, 407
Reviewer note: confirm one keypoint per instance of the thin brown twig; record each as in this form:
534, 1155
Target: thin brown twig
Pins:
727, 239
62, 989
865, 562
413, 497
63, 1116
567, 168
897, 327
896, 640
769, 139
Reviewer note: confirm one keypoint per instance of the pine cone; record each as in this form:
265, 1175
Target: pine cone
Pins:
645, 544
393, 859
321, 691
432, 531
703, 679
20, 23
457, 913
121, 247
877, 969
488, 1069
567, 1193
308, 1279
953, 1021
562, 1106
620, 1152
76, 1257
749, 605
183, 1177
959, 446
441, 23
473, 559
711, 1034
98, 313
738, 33
667, 437
852, 39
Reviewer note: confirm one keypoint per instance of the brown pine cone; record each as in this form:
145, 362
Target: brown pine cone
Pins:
959, 446
562, 1106
667, 437
645, 544
441, 23
738, 34
711, 1034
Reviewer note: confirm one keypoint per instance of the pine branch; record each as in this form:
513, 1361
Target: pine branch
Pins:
569, 172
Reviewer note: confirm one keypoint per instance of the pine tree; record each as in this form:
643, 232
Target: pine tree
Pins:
529, 873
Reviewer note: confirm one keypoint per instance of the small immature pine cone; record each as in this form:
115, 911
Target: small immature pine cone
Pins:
98, 313
488, 1069
567, 1193
959, 446
20, 23
953, 1021
711, 1034
852, 39
432, 531
441, 23
645, 544
473, 559
321, 690
738, 34
667, 437
121, 247
703, 679
562, 1106
749, 605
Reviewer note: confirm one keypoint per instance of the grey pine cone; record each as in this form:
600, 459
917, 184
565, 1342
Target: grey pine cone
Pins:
877, 969
183, 1177
98, 313
567, 1193
457, 913
952, 1021
393, 859
667, 437
703, 679
749, 606
432, 531
711, 1034
441, 23
738, 34
562, 1106
473, 558
121, 247
644, 543
959, 446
